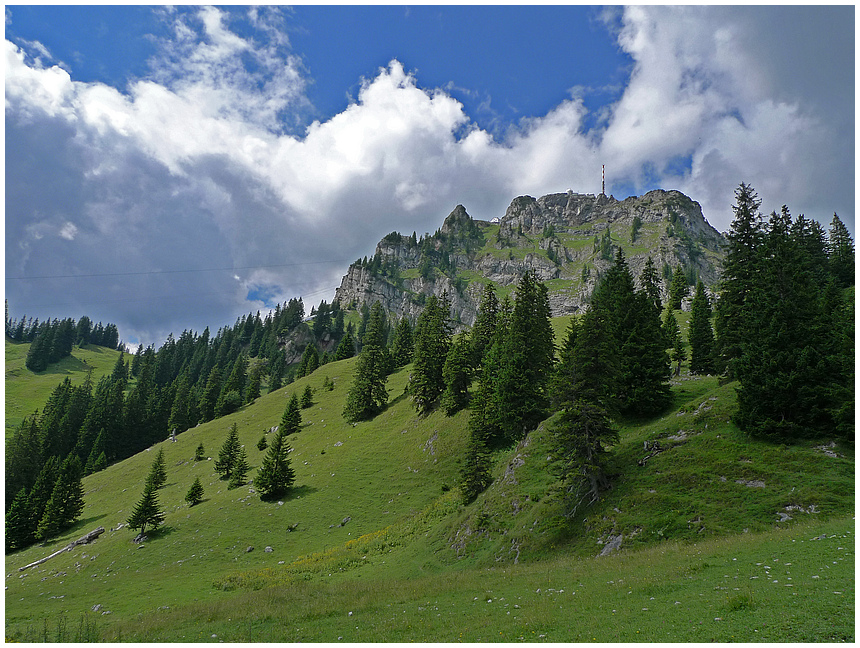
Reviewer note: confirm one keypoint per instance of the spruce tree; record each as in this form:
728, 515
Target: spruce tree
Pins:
263, 443
275, 475
701, 334
307, 397
346, 348
783, 369
402, 345
240, 470
158, 471
432, 340
584, 390
291, 420
67, 500
483, 332
840, 253
457, 374
527, 354
147, 512
678, 288
195, 493
736, 308
674, 340
199, 454
20, 527
228, 454
368, 394
650, 280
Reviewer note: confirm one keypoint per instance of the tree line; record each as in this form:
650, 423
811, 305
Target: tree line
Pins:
52, 340
152, 393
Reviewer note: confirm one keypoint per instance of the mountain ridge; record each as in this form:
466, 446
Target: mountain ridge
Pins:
567, 239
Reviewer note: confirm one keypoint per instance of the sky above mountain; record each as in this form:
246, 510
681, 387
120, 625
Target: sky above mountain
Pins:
175, 168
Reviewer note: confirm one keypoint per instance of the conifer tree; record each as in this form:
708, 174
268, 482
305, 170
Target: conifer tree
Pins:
483, 332
432, 340
263, 443
840, 253
199, 454
368, 394
307, 397
527, 354
701, 334
42, 490
457, 374
228, 454
651, 283
195, 493
240, 470
584, 390
735, 308
67, 500
291, 420
158, 471
674, 340
402, 345
786, 381
346, 348
20, 527
678, 288
209, 397
147, 512
275, 475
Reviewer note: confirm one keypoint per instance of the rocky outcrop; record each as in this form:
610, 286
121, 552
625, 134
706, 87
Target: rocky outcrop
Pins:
561, 237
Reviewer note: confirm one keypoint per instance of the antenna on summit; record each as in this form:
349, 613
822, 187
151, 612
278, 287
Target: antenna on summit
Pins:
603, 182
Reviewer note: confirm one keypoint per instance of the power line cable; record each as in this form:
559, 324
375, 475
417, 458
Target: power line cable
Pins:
158, 272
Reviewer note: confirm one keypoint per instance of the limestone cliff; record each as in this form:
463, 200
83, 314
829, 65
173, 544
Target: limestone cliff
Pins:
568, 239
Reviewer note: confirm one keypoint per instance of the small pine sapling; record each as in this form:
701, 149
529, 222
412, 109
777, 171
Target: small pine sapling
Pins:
195, 493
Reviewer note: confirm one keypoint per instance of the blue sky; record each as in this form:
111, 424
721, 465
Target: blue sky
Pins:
168, 167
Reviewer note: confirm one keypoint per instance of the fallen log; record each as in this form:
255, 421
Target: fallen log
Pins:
92, 535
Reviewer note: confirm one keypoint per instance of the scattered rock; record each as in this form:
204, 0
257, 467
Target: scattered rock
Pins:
752, 483
249, 549
96, 607
345, 520
612, 544
268, 550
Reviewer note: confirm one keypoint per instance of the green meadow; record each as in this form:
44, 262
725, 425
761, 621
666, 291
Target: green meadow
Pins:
722, 538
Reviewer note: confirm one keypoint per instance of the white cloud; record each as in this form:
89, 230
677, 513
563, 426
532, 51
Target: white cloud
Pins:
199, 166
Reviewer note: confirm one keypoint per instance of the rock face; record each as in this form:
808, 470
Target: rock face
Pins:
567, 239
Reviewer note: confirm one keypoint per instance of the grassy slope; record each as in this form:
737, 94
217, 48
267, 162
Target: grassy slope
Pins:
27, 392
412, 564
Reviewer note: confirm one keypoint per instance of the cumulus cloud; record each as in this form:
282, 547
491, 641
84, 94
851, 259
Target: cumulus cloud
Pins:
192, 193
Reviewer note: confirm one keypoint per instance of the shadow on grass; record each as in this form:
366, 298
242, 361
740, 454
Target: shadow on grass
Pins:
294, 493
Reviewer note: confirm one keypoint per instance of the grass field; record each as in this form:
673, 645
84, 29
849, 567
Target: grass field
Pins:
27, 392
384, 551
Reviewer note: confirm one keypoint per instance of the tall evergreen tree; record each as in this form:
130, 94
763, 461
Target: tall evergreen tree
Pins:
735, 307
67, 500
228, 454
650, 280
147, 512
483, 332
785, 379
432, 340
521, 394
840, 252
240, 470
346, 348
674, 340
678, 288
158, 471
584, 390
701, 334
20, 527
291, 420
275, 476
457, 374
402, 346
307, 397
